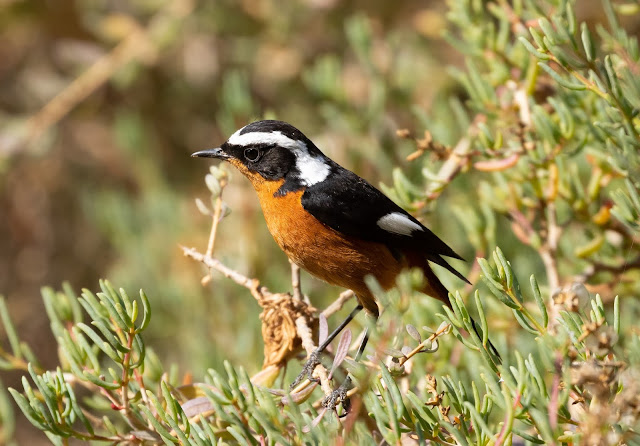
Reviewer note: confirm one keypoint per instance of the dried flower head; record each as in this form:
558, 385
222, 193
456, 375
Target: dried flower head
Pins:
279, 333
573, 297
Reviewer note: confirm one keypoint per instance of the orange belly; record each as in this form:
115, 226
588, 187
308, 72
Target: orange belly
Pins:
323, 251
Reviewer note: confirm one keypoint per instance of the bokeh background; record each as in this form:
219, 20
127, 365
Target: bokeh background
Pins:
103, 101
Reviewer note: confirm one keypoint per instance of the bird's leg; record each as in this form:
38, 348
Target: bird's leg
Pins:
363, 344
339, 396
314, 357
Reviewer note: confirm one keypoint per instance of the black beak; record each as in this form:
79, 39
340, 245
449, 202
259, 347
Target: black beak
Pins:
211, 153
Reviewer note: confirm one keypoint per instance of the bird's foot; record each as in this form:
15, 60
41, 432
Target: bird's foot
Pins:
307, 370
339, 396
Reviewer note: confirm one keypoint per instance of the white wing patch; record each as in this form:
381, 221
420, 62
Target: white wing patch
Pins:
313, 169
398, 223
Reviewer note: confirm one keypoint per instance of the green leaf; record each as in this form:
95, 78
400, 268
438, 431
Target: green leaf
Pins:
537, 296
146, 311
616, 315
571, 19
548, 30
560, 80
395, 392
587, 42
524, 323
9, 329
28, 411
489, 277
105, 346
159, 428
536, 53
612, 76
483, 320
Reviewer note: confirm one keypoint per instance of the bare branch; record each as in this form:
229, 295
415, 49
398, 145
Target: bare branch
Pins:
295, 283
252, 285
306, 335
337, 304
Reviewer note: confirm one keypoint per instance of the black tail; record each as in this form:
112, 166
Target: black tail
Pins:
435, 288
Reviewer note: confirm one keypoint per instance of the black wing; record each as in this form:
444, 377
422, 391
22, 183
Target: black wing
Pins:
349, 204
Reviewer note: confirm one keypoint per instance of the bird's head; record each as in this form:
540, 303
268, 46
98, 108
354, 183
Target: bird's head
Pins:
273, 151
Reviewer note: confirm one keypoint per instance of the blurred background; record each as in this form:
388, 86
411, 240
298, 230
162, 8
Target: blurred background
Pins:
103, 101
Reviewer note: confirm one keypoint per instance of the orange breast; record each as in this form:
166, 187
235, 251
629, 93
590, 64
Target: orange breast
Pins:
322, 251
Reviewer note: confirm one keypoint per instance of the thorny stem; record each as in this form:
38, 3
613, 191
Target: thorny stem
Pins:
215, 219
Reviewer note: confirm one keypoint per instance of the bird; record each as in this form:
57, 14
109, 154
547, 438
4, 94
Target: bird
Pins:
330, 221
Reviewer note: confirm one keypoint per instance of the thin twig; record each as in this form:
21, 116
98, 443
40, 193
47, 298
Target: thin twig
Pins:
253, 285
337, 304
215, 220
444, 328
295, 283
450, 168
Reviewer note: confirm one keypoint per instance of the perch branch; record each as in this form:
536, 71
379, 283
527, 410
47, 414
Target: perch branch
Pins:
295, 283
306, 335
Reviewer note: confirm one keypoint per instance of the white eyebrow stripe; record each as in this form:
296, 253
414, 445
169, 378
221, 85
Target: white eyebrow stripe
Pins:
398, 223
313, 169
251, 138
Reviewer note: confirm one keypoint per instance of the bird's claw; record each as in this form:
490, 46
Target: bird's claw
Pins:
339, 396
307, 370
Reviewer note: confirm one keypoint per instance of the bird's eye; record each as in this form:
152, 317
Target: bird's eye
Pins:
252, 154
